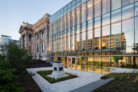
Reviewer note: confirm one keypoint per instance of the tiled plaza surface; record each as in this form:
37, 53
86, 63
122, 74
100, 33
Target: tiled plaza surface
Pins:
84, 78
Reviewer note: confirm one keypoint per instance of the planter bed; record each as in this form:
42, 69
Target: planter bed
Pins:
123, 82
52, 80
26, 82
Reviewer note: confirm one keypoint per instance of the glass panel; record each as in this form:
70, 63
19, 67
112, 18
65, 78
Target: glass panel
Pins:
67, 21
97, 4
91, 67
84, 63
77, 41
136, 35
64, 45
136, 61
116, 38
97, 39
116, 4
60, 45
126, 2
78, 29
89, 10
73, 63
116, 61
78, 15
83, 1
68, 43
116, 15
73, 3
72, 43
90, 24
136, 9
90, 39
83, 27
68, 18
106, 19
97, 22
73, 18
83, 41
105, 6
127, 62
128, 12
105, 65
69, 63
63, 23
78, 63
83, 13
64, 61
106, 37
97, 64
128, 35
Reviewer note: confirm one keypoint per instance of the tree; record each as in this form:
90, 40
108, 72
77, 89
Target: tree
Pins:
117, 58
18, 57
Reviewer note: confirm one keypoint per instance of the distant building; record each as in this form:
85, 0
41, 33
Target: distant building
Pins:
35, 38
7, 40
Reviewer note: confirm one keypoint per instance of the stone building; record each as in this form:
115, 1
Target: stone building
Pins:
35, 38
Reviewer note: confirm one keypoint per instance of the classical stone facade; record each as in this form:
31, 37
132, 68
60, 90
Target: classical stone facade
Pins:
35, 38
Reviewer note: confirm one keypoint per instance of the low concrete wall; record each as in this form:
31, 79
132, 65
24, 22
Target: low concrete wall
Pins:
122, 70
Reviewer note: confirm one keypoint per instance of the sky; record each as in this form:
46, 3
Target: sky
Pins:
14, 12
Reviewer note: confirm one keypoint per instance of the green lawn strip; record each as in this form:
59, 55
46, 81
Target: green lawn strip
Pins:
124, 82
52, 80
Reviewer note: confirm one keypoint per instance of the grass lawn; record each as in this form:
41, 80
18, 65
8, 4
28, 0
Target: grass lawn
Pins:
52, 80
124, 82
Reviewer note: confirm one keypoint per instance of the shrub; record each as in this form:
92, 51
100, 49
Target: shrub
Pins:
7, 78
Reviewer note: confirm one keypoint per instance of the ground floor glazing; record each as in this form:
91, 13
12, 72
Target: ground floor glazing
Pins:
97, 64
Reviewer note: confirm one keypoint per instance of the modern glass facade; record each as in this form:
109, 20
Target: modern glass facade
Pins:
95, 32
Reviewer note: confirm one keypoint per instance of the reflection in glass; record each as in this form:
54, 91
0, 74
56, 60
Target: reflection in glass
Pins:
90, 39
116, 4
97, 22
136, 9
78, 15
128, 37
90, 25
128, 11
116, 16
83, 29
116, 38
97, 4
83, 13
127, 2
89, 10
77, 41
106, 19
97, 39
105, 6
106, 37
72, 43
136, 35
105, 65
83, 41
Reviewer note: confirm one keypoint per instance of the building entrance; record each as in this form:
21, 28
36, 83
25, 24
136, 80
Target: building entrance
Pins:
71, 62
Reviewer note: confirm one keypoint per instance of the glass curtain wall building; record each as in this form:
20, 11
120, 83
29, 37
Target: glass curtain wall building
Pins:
94, 35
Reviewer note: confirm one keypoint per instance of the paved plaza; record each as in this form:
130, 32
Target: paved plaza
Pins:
84, 78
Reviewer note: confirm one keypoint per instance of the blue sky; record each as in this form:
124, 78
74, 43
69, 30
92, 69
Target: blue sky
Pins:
14, 12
